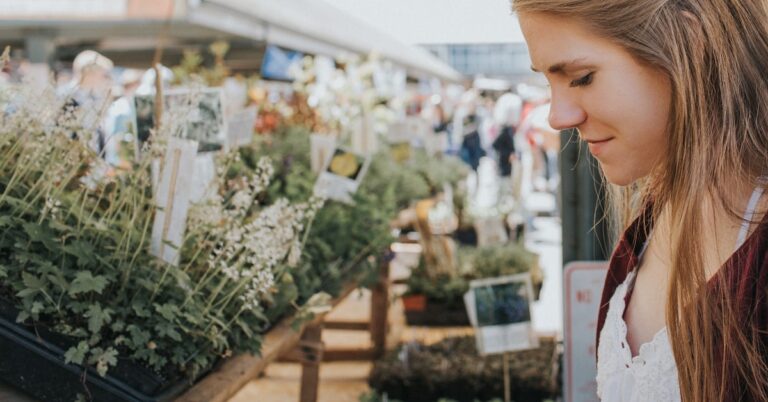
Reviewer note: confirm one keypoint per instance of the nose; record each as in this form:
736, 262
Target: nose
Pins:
565, 113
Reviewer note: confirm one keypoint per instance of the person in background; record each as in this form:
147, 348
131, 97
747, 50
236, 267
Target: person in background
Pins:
671, 97
471, 148
507, 116
119, 120
89, 94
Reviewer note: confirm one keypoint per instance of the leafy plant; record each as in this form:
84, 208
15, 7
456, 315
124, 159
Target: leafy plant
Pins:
474, 263
453, 370
343, 240
74, 250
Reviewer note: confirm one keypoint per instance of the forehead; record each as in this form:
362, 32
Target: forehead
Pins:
554, 39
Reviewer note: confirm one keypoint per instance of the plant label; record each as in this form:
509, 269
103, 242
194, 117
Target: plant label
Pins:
341, 176
202, 181
321, 148
364, 139
500, 311
196, 114
172, 199
240, 127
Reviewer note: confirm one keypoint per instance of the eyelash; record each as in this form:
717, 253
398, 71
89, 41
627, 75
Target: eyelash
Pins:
583, 81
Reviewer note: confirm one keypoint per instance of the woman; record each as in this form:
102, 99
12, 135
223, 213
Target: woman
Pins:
671, 97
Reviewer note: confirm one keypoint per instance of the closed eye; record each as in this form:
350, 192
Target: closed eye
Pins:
583, 81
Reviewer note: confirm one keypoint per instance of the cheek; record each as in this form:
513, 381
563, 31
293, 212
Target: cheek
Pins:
639, 124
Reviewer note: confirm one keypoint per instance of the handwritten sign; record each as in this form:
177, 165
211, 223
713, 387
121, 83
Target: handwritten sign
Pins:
583, 288
172, 199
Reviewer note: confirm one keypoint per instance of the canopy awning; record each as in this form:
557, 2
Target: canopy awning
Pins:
310, 26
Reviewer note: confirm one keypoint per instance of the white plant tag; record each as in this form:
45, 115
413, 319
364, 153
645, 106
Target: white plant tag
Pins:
240, 127
321, 148
172, 199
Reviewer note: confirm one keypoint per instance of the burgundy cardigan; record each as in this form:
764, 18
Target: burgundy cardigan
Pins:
745, 275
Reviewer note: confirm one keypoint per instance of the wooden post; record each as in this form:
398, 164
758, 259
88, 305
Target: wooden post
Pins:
311, 346
380, 310
507, 385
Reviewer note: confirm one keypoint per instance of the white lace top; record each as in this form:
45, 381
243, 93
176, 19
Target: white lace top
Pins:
652, 374
649, 376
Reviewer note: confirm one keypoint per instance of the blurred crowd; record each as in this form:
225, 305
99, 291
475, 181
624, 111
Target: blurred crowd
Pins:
510, 129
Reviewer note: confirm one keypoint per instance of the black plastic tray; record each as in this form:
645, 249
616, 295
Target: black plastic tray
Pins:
37, 367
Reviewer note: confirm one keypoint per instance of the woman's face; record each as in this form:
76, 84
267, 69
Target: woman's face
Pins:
621, 107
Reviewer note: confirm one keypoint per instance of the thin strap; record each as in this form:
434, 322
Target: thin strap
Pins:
749, 214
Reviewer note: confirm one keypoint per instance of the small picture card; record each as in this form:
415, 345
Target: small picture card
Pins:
341, 175
240, 127
200, 112
500, 310
172, 199
321, 147
203, 113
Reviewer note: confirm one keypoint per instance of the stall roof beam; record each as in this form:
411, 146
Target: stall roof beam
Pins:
310, 26
317, 27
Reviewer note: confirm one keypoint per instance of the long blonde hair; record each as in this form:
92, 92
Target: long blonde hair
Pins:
715, 53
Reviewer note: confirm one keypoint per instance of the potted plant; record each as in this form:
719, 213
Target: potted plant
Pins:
453, 370
442, 292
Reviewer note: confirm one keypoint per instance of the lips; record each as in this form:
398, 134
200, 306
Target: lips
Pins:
597, 146
597, 141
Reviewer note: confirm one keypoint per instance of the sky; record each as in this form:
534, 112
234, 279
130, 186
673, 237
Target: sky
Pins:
438, 21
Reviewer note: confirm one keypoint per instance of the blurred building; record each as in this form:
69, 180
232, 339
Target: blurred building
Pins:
475, 37
509, 61
130, 31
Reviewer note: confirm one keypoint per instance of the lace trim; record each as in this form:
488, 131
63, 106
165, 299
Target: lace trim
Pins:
620, 376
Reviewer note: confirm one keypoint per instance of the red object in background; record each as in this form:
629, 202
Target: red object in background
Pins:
267, 121
415, 302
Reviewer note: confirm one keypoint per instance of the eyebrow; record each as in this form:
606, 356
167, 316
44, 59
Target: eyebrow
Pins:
563, 66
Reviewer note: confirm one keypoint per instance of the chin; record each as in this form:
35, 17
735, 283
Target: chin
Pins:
618, 177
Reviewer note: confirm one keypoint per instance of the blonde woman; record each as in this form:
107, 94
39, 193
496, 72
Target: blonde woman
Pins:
671, 97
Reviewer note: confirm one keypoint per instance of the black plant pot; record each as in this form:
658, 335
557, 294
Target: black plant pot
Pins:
35, 364
435, 314
466, 236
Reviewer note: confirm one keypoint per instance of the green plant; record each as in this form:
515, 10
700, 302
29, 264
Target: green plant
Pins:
74, 251
453, 370
342, 238
192, 67
474, 263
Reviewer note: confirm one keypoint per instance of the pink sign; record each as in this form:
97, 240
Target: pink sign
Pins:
583, 287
